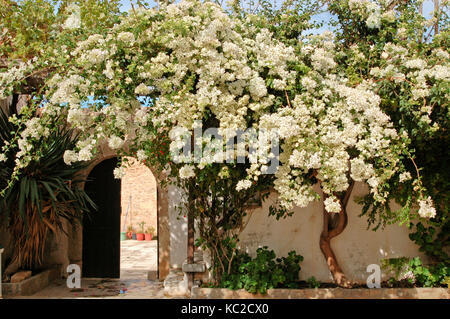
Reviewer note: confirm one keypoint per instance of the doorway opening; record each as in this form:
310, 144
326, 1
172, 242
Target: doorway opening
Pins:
139, 222
113, 246
101, 228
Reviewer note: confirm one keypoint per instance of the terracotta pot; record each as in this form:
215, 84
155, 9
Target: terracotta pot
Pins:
148, 237
140, 236
130, 235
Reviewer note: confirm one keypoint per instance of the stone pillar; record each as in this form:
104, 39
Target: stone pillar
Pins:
178, 228
163, 233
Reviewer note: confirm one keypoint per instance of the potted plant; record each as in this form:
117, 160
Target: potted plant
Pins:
149, 233
141, 234
130, 231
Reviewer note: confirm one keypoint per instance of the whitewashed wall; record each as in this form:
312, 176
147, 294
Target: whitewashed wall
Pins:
178, 229
355, 248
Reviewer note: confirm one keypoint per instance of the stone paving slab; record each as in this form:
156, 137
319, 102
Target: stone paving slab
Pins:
103, 288
137, 259
136, 254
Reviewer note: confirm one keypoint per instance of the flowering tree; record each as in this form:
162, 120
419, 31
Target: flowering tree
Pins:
35, 39
192, 64
406, 57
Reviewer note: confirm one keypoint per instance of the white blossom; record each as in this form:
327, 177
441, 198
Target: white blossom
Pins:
74, 19
243, 185
186, 172
141, 155
142, 89
374, 21
70, 157
119, 172
3, 157
332, 204
405, 176
115, 142
426, 209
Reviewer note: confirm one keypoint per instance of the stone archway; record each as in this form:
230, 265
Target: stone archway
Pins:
76, 236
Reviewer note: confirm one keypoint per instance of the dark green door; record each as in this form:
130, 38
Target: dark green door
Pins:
101, 229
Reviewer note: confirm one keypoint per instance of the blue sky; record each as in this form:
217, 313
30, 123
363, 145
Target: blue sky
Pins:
126, 6
325, 17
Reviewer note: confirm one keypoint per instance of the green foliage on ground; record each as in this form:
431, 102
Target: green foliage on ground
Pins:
415, 273
265, 271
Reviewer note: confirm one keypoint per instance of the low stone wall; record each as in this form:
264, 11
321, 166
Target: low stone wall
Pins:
31, 285
323, 293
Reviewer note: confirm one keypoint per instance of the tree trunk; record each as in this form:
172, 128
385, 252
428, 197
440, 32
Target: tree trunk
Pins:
332, 227
436, 10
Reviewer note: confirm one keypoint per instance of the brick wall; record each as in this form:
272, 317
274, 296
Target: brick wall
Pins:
140, 184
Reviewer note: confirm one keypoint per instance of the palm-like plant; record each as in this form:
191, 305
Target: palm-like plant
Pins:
44, 195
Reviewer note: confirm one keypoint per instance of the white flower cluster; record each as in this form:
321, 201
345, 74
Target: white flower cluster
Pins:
228, 58
115, 142
34, 130
186, 172
244, 184
419, 73
405, 176
426, 209
119, 172
372, 12
202, 63
14, 74
332, 204
141, 156
142, 89
74, 19
321, 127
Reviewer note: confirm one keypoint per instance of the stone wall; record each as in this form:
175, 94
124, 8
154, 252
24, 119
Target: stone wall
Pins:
139, 197
356, 248
178, 228
6, 243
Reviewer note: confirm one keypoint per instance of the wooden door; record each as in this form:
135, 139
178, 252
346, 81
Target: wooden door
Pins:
101, 228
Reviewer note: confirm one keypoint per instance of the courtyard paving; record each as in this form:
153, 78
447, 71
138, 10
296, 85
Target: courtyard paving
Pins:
137, 258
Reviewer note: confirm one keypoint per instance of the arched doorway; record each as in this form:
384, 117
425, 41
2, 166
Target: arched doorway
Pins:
76, 243
101, 229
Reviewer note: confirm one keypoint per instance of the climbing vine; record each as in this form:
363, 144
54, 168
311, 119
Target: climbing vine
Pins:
360, 104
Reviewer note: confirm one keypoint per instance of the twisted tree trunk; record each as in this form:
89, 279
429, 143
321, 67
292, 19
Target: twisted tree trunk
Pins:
333, 225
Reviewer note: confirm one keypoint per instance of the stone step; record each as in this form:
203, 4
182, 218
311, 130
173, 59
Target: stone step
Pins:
176, 284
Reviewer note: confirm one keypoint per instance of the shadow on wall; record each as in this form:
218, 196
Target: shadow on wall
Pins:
55, 251
178, 228
356, 248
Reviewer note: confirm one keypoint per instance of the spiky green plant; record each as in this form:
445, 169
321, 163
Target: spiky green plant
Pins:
46, 193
